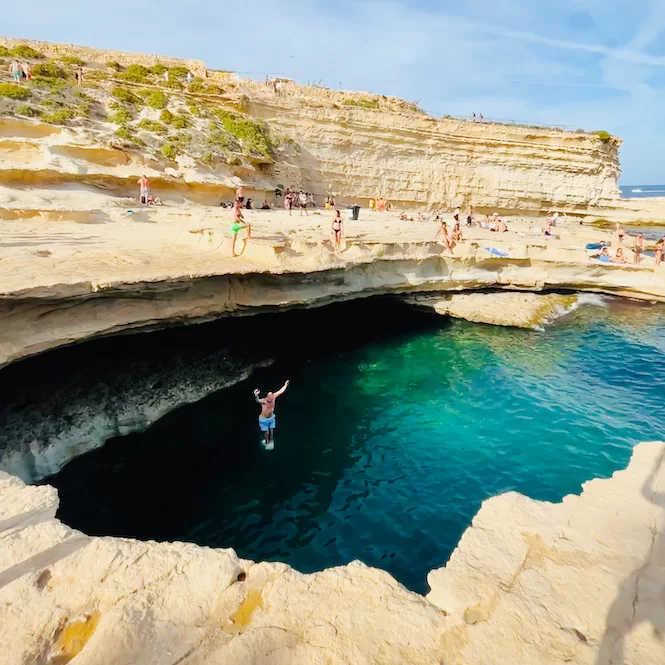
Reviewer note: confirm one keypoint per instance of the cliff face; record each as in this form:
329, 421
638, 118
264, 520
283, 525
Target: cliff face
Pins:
530, 582
415, 160
355, 146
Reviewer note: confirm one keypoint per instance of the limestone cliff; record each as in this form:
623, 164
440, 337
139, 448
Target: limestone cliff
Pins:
530, 582
227, 130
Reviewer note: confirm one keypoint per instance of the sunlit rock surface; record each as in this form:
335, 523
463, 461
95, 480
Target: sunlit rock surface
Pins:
530, 582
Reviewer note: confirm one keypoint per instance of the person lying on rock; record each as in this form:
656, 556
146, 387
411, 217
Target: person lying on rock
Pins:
267, 418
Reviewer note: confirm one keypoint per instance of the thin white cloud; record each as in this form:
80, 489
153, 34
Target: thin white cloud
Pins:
624, 54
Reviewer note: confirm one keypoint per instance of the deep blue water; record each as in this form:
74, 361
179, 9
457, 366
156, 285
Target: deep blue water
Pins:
641, 191
385, 452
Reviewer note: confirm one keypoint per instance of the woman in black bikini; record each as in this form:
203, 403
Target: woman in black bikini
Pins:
337, 227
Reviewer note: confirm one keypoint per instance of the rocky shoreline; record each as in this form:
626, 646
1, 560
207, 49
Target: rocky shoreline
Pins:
554, 583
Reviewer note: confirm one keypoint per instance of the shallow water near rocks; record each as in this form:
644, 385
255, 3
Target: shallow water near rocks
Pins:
385, 452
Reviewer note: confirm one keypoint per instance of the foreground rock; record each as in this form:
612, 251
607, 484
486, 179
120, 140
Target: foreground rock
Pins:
531, 582
516, 310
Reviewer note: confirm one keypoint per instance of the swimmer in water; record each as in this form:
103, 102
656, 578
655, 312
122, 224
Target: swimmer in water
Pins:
267, 417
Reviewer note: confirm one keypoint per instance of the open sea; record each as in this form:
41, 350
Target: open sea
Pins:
641, 191
385, 450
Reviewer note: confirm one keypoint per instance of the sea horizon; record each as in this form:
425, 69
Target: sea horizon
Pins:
641, 191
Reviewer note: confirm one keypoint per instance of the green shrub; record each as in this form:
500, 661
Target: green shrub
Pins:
4, 52
362, 103
136, 73
25, 51
180, 122
49, 70
52, 103
13, 91
213, 90
173, 84
603, 135
209, 158
166, 116
71, 60
178, 72
152, 126
112, 64
196, 85
121, 116
157, 100
158, 69
125, 96
220, 139
28, 111
194, 109
250, 132
169, 151
181, 140
59, 117
125, 133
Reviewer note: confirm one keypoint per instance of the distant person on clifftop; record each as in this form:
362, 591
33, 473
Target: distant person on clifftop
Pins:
15, 71
469, 216
267, 419
238, 224
338, 230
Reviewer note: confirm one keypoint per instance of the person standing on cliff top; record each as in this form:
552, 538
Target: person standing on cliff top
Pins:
144, 188
267, 418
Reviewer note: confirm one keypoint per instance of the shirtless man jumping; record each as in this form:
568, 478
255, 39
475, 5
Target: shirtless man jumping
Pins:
267, 417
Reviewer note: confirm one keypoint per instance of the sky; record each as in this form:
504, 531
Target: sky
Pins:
588, 64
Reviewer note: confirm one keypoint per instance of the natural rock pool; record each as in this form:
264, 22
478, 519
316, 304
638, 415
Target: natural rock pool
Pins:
395, 428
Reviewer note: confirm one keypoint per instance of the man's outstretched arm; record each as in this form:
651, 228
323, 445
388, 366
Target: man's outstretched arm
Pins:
282, 390
256, 396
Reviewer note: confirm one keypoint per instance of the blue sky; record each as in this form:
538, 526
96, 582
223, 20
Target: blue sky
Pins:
592, 64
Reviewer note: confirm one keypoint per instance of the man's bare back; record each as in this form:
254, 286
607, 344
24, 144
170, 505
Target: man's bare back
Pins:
267, 417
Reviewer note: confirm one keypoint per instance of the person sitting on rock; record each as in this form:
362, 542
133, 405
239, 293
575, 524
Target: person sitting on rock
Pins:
619, 257
266, 205
445, 238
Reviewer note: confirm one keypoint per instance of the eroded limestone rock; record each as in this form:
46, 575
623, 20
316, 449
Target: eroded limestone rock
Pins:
530, 582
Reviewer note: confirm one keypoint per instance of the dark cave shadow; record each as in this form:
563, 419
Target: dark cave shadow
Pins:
626, 612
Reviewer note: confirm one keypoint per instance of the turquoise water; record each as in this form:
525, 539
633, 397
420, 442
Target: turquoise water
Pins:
385, 452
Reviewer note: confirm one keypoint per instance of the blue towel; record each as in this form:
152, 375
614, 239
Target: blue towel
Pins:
496, 252
604, 259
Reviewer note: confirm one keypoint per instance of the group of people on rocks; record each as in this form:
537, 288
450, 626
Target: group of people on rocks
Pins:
478, 118
638, 248
380, 205
20, 71
298, 199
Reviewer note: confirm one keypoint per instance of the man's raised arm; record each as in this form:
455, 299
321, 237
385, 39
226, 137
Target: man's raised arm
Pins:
282, 390
256, 396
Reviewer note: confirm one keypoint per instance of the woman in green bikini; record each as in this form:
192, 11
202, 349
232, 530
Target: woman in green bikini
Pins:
237, 225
